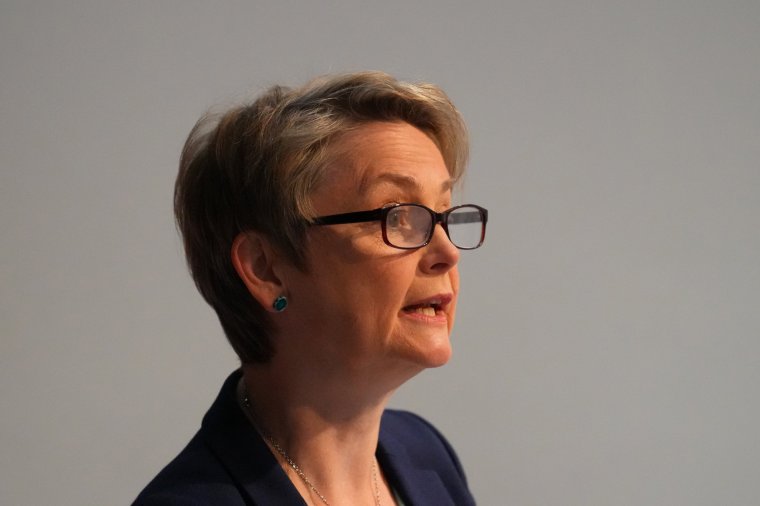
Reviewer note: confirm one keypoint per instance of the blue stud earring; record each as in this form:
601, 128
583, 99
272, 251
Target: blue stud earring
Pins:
280, 303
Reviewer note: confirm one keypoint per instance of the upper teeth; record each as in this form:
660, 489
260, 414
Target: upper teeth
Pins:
426, 310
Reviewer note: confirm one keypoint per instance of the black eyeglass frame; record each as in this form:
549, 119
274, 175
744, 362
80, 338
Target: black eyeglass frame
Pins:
380, 214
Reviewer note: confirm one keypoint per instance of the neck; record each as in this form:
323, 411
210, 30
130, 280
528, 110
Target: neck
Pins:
329, 429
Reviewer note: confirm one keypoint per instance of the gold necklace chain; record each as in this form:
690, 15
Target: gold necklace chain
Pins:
297, 469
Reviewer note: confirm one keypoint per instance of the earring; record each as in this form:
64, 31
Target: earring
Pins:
280, 303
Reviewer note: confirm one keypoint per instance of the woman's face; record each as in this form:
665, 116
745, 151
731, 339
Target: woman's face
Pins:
361, 303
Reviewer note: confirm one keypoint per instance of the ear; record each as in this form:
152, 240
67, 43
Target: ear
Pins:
254, 260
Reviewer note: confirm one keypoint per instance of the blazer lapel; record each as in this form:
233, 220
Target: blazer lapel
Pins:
244, 454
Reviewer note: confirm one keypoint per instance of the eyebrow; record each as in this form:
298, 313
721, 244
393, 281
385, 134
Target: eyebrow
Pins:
400, 180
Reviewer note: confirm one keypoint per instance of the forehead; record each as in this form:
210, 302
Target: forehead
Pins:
377, 155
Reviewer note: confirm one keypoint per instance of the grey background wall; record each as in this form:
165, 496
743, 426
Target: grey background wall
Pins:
607, 348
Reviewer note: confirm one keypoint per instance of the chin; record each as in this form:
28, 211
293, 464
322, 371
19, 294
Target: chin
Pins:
436, 353
441, 357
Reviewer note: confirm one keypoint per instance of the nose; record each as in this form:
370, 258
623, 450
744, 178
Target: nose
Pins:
440, 255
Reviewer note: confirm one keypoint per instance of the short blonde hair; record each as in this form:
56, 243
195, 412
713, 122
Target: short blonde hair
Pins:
255, 166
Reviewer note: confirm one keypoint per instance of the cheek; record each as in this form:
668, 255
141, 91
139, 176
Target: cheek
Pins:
380, 291
386, 289
368, 295
359, 279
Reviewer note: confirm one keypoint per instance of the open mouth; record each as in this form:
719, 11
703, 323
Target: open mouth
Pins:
427, 309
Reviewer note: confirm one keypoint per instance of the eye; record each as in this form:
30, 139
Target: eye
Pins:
398, 218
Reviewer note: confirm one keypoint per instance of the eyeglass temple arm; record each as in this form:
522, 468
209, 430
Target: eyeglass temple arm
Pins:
357, 217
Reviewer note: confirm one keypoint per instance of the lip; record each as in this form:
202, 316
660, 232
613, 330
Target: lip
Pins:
440, 302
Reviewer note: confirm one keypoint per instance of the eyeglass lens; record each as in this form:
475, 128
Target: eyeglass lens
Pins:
465, 226
409, 226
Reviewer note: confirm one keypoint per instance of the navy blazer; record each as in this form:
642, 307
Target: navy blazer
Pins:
227, 463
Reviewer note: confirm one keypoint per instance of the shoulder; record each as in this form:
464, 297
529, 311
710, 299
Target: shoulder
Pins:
422, 441
419, 462
411, 428
194, 478
199, 474
403, 423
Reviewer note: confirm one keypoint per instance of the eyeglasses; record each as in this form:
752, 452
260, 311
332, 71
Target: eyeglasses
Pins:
411, 226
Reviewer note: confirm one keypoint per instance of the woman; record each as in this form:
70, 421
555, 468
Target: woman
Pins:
310, 220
